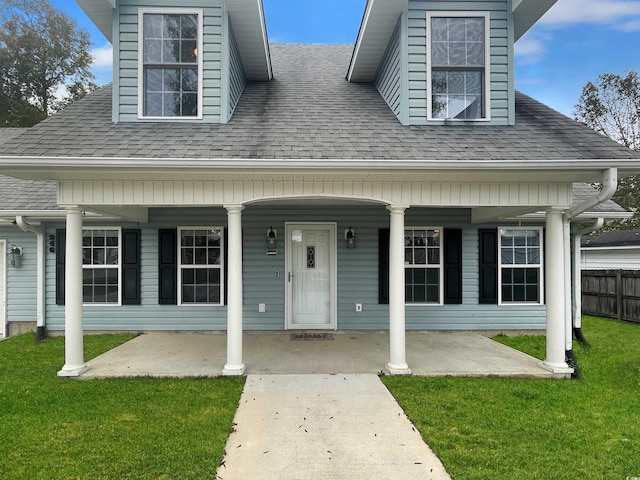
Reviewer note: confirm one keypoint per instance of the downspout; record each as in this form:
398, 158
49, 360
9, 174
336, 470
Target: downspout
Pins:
40, 280
609, 187
577, 280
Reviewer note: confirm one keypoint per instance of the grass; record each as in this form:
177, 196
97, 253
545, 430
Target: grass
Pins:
537, 429
118, 428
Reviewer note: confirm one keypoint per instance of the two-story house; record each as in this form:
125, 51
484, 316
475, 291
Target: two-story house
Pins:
225, 183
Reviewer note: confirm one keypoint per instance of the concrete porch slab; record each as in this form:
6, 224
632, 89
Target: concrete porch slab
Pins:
164, 354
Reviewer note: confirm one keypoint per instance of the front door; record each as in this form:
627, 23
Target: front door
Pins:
311, 275
3, 290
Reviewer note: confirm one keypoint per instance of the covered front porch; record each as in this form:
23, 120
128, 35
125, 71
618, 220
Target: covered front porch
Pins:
462, 354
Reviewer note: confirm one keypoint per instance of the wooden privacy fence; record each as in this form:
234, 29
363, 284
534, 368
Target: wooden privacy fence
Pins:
612, 294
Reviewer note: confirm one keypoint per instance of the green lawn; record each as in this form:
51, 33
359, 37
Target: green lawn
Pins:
538, 429
145, 428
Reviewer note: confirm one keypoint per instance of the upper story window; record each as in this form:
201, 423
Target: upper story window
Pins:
170, 64
458, 66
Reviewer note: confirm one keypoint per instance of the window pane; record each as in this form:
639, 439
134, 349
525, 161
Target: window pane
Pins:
420, 256
202, 277
188, 276
153, 104
475, 29
172, 26
189, 26
408, 256
200, 256
152, 26
433, 293
473, 83
188, 51
213, 238
475, 54
419, 275
439, 82
171, 51
213, 256
439, 30
188, 293
186, 257
457, 29
433, 276
419, 293
457, 54
153, 51
189, 105
434, 256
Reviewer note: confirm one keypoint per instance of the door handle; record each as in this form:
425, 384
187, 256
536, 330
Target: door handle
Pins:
290, 276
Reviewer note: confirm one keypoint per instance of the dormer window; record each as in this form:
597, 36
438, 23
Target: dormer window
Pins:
170, 64
458, 66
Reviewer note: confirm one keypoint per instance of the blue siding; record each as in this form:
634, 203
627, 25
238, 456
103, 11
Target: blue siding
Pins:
387, 79
126, 69
500, 63
237, 80
357, 276
21, 281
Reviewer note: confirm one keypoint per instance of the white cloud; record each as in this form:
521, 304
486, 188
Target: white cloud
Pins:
103, 57
630, 26
572, 12
529, 49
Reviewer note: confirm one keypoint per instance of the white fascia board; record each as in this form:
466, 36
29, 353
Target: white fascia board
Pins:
101, 14
378, 23
56, 168
527, 12
250, 29
610, 247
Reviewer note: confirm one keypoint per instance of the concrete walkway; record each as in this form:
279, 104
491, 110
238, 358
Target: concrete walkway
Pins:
200, 354
307, 427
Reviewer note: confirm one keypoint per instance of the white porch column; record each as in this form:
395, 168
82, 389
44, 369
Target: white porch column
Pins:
234, 365
555, 292
397, 348
74, 363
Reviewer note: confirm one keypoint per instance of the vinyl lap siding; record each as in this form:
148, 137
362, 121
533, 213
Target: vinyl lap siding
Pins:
501, 94
387, 79
127, 67
237, 79
20, 282
264, 277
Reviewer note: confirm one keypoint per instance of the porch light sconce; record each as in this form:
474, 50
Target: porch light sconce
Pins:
350, 238
16, 255
272, 238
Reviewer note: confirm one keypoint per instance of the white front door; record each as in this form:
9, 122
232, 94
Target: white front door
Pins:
311, 275
3, 288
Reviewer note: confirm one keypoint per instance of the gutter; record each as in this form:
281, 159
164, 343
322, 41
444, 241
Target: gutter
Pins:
609, 187
40, 281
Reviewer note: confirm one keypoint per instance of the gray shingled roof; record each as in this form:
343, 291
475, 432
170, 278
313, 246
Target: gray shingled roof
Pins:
614, 238
20, 195
310, 111
584, 191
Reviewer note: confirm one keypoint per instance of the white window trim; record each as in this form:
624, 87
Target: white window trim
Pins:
539, 266
220, 266
487, 65
119, 267
440, 267
169, 11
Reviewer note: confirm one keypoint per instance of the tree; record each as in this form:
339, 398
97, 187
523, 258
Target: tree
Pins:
611, 107
44, 61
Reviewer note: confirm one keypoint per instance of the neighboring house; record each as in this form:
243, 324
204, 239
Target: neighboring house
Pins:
614, 250
223, 183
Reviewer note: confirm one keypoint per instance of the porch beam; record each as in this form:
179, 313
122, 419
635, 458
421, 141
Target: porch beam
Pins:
234, 366
74, 363
555, 293
397, 343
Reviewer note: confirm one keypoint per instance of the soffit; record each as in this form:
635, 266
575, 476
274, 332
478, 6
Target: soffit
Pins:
101, 14
379, 21
526, 13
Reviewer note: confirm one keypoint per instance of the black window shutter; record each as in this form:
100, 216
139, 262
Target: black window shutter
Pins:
168, 266
61, 244
383, 266
488, 263
452, 266
131, 267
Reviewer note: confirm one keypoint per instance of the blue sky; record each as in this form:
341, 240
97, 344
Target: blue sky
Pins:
575, 42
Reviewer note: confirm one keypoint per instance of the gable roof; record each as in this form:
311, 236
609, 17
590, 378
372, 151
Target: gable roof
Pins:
247, 19
381, 17
309, 116
614, 238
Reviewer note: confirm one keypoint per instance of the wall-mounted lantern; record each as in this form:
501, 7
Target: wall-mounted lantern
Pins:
272, 239
16, 255
350, 238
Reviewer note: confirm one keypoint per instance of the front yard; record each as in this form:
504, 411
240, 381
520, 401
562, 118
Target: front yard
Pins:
538, 429
121, 428
176, 428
